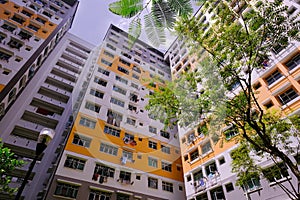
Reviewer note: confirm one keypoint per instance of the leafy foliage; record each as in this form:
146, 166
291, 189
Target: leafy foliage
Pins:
162, 16
8, 164
126, 8
236, 44
135, 29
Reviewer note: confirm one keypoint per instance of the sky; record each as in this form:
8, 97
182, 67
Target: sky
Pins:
93, 19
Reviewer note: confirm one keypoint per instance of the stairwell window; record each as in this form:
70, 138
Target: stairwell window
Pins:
287, 96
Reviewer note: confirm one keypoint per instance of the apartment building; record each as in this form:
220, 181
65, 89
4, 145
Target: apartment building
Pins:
115, 149
206, 166
30, 30
49, 100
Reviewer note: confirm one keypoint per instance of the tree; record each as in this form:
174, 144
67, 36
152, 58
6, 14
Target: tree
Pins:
155, 16
7, 165
237, 44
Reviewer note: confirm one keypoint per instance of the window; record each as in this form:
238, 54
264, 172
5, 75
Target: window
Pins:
135, 76
252, 184
123, 70
211, 169
112, 131
102, 170
130, 121
124, 62
97, 93
92, 107
191, 137
123, 197
165, 134
108, 54
114, 118
111, 47
103, 71
28, 14
180, 188
194, 155
100, 81
152, 183
152, 129
166, 166
105, 62
32, 27
165, 149
186, 157
40, 20
152, 162
167, 186
221, 160
198, 175
133, 97
287, 96
231, 132
275, 173
134, 86
14, 43
152, 145
273, 77
8, 27
202, 197
205, 148
132, 108
128, 155
122, 80
293, 62
87, 122
117, 102
217, 193
229, 187
18, 19
125, 177
119, 90
136, 69
66, 190
74, 163
160, 73
99, 195
106, 148
81, 140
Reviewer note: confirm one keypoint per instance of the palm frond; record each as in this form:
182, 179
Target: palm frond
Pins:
155, 34
135, 29
163, 14
126, 8
181, 7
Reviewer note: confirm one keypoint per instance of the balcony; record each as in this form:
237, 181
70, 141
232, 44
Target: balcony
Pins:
38, 119
53, 95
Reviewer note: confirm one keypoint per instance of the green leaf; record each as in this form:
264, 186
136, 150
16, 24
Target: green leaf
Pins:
126, 8
156, 35
182, 7
163, 14
135, 29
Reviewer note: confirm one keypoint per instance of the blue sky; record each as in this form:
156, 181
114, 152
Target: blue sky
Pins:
93, 19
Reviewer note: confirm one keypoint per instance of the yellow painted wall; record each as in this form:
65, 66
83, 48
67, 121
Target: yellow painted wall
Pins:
141, 148
10, 7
